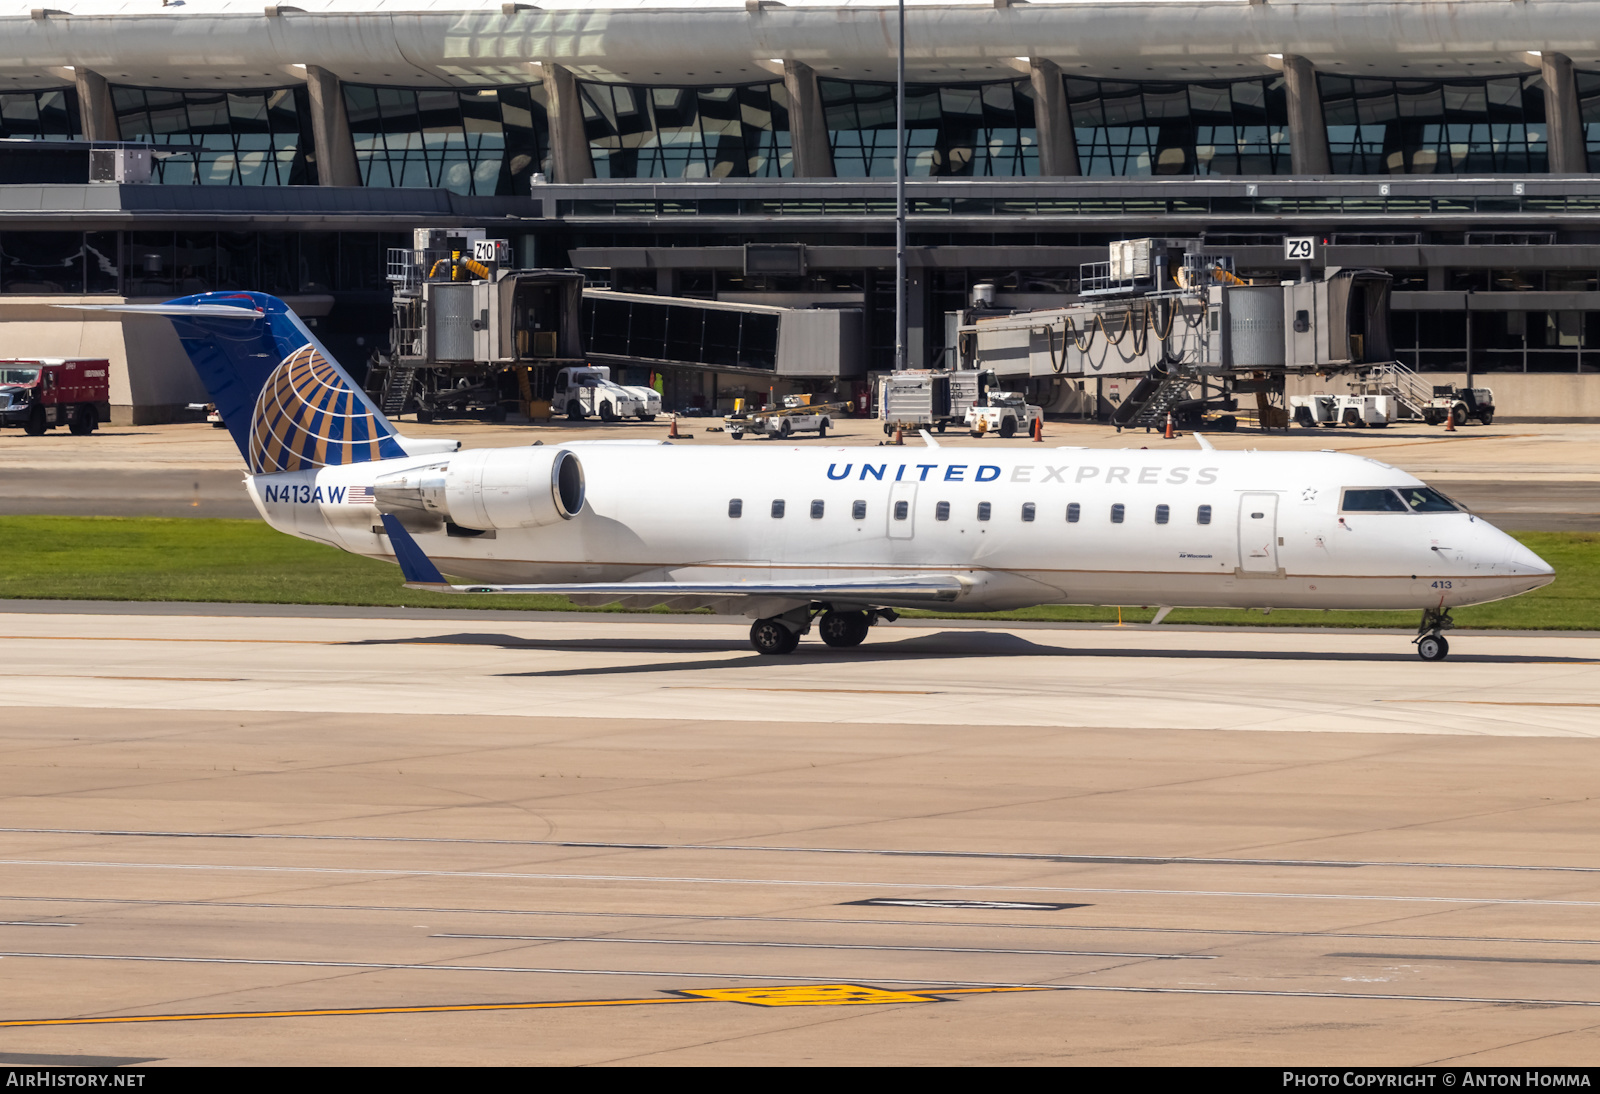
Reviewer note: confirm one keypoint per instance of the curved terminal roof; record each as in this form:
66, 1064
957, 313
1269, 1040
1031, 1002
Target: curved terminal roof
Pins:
240, 43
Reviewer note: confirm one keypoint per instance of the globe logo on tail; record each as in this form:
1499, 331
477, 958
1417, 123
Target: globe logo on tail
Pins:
307, 416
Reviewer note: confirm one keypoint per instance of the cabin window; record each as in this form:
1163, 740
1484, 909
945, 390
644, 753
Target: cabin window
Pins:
858, 510
902, 510
1202, 515
735, 507
984, 509
1373, 501
1117, 513
1163, 514
1028, 512
777, 508
941, 511
1074, 511
816, 508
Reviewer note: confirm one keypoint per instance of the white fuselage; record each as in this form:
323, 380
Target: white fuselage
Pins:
1275, 538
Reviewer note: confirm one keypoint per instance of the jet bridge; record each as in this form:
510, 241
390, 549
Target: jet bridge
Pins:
1173, 319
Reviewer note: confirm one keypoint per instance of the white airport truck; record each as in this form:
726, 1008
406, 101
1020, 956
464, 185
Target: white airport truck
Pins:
921, 398
580, 392
1005, 413
796, 415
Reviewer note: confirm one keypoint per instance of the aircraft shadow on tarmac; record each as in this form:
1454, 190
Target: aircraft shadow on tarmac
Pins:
941, 644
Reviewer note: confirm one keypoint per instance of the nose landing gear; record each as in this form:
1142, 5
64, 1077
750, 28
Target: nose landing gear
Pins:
1430, 641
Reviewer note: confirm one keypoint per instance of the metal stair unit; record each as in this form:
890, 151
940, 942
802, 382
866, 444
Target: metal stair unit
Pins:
1151, 411
1411, 393
397, 385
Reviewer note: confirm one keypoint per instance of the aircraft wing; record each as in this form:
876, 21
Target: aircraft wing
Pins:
421, 573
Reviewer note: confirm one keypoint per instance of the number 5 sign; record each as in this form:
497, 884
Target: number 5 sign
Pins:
1300, 248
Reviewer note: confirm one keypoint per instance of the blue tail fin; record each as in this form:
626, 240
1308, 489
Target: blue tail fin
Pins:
288, 404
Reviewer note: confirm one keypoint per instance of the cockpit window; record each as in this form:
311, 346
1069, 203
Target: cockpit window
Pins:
1373, 501
1423, 499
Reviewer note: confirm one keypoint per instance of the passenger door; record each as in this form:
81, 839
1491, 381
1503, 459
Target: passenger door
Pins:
1258, 533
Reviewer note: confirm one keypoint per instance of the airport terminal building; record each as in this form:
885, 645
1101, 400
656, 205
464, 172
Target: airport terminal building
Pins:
1455, 143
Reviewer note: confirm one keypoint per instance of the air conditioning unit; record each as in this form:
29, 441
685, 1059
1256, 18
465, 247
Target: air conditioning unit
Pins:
120, 165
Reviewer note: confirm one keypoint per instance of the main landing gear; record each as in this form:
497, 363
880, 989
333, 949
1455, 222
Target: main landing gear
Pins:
1430, 641
780, 634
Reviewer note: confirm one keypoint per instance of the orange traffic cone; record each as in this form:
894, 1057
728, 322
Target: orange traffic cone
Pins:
1038, 429
1169, 433
1450, 421
899, 436
672, 429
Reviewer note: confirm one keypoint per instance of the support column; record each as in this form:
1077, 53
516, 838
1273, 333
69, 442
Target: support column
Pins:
1308, 131
1561, 115
330, 128
95, 111
570, 160
808, 124
1058, 143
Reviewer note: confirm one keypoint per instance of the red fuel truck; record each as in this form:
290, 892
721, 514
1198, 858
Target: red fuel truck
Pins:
45, 392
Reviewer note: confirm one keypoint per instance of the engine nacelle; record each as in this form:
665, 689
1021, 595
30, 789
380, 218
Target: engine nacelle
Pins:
487, 488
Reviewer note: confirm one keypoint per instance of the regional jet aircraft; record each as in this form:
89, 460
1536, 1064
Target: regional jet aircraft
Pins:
836, 537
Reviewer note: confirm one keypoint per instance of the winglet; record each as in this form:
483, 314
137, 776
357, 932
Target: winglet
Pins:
1203, 443
417, 567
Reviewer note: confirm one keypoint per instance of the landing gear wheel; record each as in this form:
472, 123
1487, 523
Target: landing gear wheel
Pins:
34, 426
574, 411
770, 637
84, 420
1433, 647
607, 412
842, 630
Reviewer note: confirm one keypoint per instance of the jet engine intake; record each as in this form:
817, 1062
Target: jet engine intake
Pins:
487, 488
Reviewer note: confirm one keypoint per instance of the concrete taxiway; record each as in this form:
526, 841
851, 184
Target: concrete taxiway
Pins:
441, 838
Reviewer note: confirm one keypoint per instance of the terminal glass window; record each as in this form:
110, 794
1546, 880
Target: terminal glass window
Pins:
679, 332
1233, 127
1423, 127
40, 115
486, 141
974, 129
39, 263
687, 132
1588, 113
245, 138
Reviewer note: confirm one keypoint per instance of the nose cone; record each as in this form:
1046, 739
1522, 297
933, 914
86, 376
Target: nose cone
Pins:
1517, 562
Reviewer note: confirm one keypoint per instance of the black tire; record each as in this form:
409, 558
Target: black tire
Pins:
83, 421
219, 425
497, 414
1487, 417
1433, 647
784, 429
607, 412
1459, 416
34, 426
771, 638
737, 436
844, 629
941, 427
822, 430
574, 411
1008, 429
424, 416
647, 417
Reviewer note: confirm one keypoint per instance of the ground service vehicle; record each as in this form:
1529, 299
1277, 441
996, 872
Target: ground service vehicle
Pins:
580, 392
1451, 402
831, 535
46, 392
1003, 412
796, 415
915, 399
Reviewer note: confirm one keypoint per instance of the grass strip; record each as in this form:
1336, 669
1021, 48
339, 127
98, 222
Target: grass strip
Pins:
246, 562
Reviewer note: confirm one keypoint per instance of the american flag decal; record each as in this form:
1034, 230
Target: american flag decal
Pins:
360, 495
